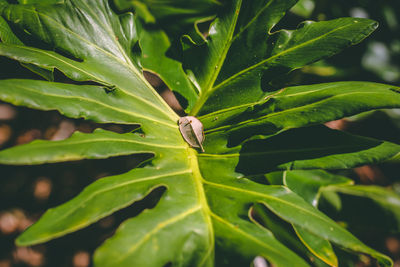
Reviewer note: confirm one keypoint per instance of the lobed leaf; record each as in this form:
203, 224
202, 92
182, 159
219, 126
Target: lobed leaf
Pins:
355, 203
291, 50
310, 183
287, 205
155, 45
318, 246
7, 36
97, 145
315, 147
300, 106
206, 210
102, 198
246, 27
102, 49
284, 232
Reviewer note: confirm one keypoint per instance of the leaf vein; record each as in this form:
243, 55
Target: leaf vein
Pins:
159, 226
133, 114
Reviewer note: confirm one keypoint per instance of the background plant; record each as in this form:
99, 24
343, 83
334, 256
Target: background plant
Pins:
232, 202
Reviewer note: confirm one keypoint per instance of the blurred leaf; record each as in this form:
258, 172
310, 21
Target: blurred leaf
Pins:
304, 8
378, 59
371, 203
181, 12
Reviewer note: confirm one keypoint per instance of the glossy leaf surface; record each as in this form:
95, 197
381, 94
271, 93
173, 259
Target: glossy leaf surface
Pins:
155, 46
309, 185
355, 203
206, 210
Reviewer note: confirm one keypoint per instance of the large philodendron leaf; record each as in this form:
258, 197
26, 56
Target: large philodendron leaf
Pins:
8, 37
206, 210
300, 106
101, 52
228, 77
155, 45
361, 207
353, 204
309, 185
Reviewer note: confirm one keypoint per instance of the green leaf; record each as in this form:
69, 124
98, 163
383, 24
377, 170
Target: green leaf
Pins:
303, 8
315, 147
155, 45
310, 183
246, 27
240, 26
205, 215
301, 106
283, 231
8, 37
97, 103
286, 205
150, 11
107, 195
320, 247
105, 57
356, 203
6, 34
97, 145
234, 234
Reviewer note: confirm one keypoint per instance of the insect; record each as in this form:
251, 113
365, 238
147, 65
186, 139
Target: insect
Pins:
192, 131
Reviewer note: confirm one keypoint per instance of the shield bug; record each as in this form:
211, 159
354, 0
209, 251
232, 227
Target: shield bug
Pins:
192, 131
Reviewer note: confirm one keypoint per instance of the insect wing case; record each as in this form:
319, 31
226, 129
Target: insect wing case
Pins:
192, 131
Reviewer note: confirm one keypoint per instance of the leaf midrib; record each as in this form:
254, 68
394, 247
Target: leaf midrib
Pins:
225, 110
79, 226
274, 152
252, 20
159, 226
102, 139
238, 230
128, 64
130, 113
205, 93
276, 56
202, 206
95, 78
238, 74
274, 114
266, 196
198, 180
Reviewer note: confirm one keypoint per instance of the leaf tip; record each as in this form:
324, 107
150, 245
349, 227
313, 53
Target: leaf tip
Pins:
21, 241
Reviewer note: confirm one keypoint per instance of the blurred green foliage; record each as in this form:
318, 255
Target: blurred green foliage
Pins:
375, 59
